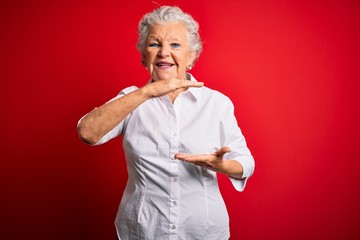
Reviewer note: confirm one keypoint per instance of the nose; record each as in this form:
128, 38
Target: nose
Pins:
164, 52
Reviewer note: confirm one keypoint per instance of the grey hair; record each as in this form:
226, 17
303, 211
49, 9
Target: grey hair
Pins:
167, 14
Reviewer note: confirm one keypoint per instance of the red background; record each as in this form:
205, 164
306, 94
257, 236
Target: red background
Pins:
290, 67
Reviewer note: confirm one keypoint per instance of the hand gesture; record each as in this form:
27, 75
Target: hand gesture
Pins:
163, 87
213, 161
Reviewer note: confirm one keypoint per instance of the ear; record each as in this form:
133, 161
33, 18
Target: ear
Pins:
192, 57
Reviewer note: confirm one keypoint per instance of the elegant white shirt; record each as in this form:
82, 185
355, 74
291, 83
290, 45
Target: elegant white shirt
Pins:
170, 199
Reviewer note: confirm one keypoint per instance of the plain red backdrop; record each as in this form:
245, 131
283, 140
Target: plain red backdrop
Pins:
290, 67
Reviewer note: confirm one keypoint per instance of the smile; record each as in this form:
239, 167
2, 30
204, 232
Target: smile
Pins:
164, 64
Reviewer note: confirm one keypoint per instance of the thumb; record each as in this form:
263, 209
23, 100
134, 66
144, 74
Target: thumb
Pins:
221, 152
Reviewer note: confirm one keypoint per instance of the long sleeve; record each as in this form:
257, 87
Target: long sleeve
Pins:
118, 129
231, 136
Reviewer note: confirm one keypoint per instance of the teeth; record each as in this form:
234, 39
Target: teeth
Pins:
164, 64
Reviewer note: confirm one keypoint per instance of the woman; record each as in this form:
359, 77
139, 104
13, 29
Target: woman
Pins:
176, 135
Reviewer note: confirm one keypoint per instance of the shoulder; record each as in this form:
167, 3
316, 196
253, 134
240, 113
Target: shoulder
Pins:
209, 94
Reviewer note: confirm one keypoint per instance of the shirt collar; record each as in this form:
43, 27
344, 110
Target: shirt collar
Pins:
194, 91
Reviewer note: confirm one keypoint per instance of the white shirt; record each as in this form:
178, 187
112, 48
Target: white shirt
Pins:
170, 199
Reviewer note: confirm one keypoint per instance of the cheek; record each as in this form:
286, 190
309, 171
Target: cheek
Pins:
188, 58
182, 59
148, 57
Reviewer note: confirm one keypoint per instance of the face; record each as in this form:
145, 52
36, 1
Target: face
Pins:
167, 51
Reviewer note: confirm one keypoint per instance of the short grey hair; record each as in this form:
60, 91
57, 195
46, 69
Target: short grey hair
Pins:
167, 14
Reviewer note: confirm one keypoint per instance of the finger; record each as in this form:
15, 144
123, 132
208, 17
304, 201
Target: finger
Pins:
222, 151
193, 158
192, 84
187, 83
183, 156
180, 156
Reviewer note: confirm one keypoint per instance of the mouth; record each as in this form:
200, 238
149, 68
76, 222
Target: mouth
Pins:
164, 64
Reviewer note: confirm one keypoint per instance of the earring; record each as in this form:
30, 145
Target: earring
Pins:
188, 67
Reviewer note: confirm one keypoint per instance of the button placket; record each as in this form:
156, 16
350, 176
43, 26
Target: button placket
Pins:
174, 183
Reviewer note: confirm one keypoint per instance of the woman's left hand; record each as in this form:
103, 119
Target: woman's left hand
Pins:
214, 161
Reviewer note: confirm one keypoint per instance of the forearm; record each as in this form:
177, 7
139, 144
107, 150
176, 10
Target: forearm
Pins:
232, 168
102, 119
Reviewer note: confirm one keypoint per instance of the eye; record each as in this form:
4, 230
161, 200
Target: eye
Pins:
175, 45
154, 45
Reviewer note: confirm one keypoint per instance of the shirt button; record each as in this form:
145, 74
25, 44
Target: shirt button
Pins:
174, 179
172, 226
174, 203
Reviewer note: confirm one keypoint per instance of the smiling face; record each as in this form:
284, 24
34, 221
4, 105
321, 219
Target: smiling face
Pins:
167, 51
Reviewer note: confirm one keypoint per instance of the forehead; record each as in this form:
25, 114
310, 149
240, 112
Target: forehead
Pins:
168, 31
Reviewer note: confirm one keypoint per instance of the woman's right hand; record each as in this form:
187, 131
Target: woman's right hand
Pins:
163, 87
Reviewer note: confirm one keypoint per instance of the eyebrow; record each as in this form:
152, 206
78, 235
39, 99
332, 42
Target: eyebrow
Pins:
154, 37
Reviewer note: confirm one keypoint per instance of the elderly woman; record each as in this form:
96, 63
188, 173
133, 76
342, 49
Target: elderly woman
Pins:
177, 134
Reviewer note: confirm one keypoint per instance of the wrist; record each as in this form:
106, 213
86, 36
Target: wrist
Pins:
233, 169
144, 93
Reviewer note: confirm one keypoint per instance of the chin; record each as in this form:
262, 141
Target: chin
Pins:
164, 76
